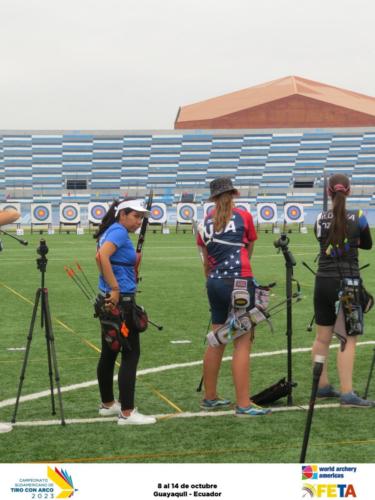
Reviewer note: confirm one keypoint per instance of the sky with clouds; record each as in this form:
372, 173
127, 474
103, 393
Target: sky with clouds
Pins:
130, 64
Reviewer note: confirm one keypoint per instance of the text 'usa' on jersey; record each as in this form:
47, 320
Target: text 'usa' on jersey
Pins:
227, 249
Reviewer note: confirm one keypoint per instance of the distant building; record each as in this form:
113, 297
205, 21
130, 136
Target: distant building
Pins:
290, 102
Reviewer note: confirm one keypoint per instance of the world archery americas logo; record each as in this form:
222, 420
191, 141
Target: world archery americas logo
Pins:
309, 472
63, 480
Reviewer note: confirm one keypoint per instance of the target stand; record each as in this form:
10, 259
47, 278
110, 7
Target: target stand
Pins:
154, 226
93, 226
41, 217
184, 226
13, 206
70, 217
95, 213
158, 217
68, 226
41, 227
186, 214
267, 218
294, 218
290, 228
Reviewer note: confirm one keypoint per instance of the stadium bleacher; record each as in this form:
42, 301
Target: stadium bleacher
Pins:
82, 167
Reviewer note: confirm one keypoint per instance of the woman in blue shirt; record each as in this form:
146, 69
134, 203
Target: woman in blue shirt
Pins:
116, 259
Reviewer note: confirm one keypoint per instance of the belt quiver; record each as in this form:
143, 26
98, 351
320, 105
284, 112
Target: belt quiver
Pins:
121, 321
135, 316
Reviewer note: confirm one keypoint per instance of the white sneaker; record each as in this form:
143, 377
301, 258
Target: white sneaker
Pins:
115, 409
135, 418
5, 427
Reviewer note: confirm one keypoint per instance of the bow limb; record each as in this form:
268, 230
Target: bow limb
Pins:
141, 237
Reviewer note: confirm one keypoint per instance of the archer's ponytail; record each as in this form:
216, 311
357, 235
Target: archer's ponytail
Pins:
338, 189
107, 220
223, 212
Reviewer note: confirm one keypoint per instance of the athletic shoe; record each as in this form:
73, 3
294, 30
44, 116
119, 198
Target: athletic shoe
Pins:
328, 391
252, 411
352, 400
135, 418
214, 404
110, 411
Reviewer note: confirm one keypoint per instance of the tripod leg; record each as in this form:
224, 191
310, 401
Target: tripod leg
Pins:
310, 325
24, 365
50, 368
369, 376
52, 353
289, 294
200, 385
317, 371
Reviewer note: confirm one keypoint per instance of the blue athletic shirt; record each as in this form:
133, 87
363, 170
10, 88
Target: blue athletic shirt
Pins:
125, 254
229, 259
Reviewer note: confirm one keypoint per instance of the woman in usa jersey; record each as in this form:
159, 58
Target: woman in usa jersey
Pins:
227, 243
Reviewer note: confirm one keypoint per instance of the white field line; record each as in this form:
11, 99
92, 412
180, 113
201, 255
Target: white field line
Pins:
163, 416
153, 257
158, 369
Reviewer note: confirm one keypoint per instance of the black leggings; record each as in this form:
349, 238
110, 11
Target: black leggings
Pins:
126, 375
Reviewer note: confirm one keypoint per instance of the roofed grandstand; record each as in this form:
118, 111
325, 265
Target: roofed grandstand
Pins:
268, 164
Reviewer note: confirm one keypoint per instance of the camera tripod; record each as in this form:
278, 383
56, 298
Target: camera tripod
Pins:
41, 298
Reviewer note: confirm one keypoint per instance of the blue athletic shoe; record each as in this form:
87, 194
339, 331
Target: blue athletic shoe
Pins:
214, 404
352, 400
252, 411
328, 391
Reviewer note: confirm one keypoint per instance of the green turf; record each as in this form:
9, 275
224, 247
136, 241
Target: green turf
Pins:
173, 292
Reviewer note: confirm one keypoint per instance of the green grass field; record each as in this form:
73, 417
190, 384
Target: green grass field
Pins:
173, 292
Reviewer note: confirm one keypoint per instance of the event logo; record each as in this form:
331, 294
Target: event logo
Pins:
342, 489
58, 485
309, 472
63, 480
328, 491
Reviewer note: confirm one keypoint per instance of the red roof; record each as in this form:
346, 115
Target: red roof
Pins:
224, 106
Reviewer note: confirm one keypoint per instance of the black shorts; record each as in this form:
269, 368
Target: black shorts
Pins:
220, 297
325, 296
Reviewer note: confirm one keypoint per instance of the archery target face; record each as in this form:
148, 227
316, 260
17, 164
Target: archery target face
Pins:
69, 212
293, 212
11, 206
41, 213
243, 206
158, 213
186, 212
267, 212
96, 212
207, 207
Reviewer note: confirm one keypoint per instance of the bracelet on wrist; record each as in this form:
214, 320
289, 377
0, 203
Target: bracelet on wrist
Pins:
115, 289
